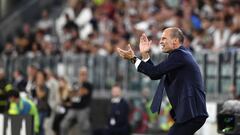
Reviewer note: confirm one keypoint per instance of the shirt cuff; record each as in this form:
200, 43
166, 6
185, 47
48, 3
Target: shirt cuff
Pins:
146, 59
137, 63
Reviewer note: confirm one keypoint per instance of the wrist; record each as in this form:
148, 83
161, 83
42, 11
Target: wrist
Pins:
133, 60
145, 56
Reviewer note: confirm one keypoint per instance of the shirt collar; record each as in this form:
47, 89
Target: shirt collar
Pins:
116, 100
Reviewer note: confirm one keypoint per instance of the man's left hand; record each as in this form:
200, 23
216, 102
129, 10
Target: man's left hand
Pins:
126, 54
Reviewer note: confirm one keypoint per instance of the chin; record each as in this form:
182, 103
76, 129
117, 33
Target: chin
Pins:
164, 51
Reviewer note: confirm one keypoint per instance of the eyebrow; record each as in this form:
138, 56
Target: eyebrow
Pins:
163, 38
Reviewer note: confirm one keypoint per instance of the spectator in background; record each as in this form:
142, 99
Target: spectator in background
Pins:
24, 39
53, 97
5, 87
234, 40
23, 106
117, 119
146, 102
9, 50
234, 92
39, 37
221, 34
53, 85
19, 82
70, 29
42, 93
63, 102
31, 78
138, 117
35, 51
48, 47
187, 42
80, 96
46, 23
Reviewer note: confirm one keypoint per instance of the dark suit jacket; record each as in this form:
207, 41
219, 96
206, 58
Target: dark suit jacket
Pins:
183, 83
119, 113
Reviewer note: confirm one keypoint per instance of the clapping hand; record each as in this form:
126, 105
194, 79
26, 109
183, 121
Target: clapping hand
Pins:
144, 46
126, 54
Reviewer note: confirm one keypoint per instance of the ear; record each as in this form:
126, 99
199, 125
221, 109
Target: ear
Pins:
175, 42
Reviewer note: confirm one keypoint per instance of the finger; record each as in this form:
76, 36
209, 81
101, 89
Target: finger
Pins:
145, 37
150, 42
142, 38
119, 49
119, 52
121, 55
122, 51
129, 46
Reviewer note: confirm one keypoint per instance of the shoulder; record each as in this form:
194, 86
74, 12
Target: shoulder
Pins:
181, 54
88, 85
123, 101
181, 51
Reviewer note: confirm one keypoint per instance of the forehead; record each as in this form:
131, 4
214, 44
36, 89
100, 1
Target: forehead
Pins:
82, 72
115, 88
166, 33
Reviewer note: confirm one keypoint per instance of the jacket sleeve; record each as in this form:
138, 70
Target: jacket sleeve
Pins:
150, 62
155, 72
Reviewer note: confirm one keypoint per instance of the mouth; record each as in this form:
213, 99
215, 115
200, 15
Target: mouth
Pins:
162, 45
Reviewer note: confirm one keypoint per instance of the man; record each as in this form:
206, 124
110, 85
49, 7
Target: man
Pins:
31, 78
23, 106
19, 82
181, 78
80, 107
117, 119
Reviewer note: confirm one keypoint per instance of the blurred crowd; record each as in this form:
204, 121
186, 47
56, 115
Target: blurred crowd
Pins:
99, 26
56, 105
52, 101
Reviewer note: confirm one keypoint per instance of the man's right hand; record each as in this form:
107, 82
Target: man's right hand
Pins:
144, 46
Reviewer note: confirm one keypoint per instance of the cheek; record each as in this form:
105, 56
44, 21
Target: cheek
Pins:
167, 44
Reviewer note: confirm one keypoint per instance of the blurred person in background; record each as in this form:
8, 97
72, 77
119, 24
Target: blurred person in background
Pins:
117, 119
35, 51
53, 97
9, 50
187, 42
80, 96
234, 40
31, 78
19, 82
63, 103
147, 101
42, 95
53, 86
180, 77
23, 39
46, 23
234, 92
5, 87
138, 118
23, 106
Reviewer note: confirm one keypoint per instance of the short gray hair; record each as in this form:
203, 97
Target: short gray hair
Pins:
177, 33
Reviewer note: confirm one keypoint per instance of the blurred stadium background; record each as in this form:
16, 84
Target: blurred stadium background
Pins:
60, 36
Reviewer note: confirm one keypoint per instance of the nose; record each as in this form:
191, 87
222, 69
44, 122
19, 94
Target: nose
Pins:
160, 42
